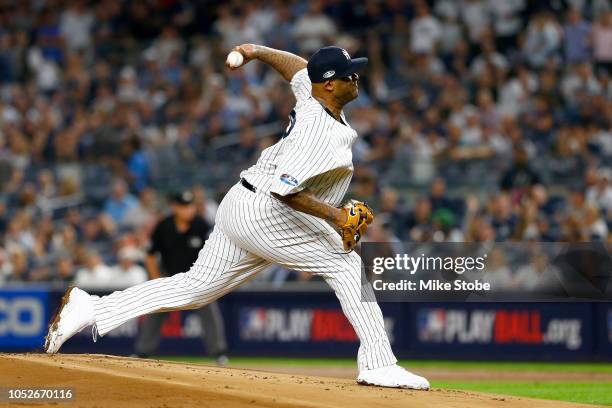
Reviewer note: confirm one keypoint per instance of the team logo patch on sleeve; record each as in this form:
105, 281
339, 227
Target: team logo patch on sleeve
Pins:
287, 179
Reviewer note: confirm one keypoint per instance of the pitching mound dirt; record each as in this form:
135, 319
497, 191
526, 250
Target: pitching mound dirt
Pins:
109, 381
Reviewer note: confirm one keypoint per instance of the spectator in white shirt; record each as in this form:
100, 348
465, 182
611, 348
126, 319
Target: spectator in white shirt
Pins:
167, 45
580, 81
543, 41
95, 275
475, 17
600, 194
446, 9
516, 92
46, 71
450, 35
128, 272
593, 224
425, 30
506, 22
227, 26
261, 17
497, 272
76, 24
537, 276
314, 29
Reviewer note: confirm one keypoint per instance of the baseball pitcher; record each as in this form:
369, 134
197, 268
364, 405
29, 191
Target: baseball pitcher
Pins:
286, 209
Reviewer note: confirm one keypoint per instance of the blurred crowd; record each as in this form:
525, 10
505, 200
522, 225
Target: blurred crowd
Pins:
479, 120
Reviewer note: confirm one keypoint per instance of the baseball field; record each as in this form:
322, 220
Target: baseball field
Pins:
110, 381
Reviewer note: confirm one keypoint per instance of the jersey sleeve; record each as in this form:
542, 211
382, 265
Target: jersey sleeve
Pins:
305, 156
301, 85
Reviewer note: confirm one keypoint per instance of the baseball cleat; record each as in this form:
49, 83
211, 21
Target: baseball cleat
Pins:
392, 376
74, 314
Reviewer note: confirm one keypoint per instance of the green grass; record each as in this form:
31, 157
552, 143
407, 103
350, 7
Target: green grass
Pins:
582, 392
592, 392
605, 368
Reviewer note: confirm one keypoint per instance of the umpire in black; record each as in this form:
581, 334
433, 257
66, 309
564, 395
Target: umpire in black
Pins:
177, 239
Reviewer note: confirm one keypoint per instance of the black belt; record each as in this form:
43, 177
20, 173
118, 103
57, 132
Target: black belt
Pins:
248, 185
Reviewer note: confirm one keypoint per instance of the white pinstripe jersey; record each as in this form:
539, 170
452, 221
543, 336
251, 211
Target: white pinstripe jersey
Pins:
314, 152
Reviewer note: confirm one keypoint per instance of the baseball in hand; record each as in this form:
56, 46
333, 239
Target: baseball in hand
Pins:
235, 59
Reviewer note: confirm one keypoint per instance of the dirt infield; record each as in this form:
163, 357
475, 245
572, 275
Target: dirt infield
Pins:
109, 381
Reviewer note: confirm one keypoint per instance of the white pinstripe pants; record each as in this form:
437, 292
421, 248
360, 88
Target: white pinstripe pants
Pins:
252, 231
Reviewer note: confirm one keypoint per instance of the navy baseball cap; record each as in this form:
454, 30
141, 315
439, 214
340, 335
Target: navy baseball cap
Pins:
332, 63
